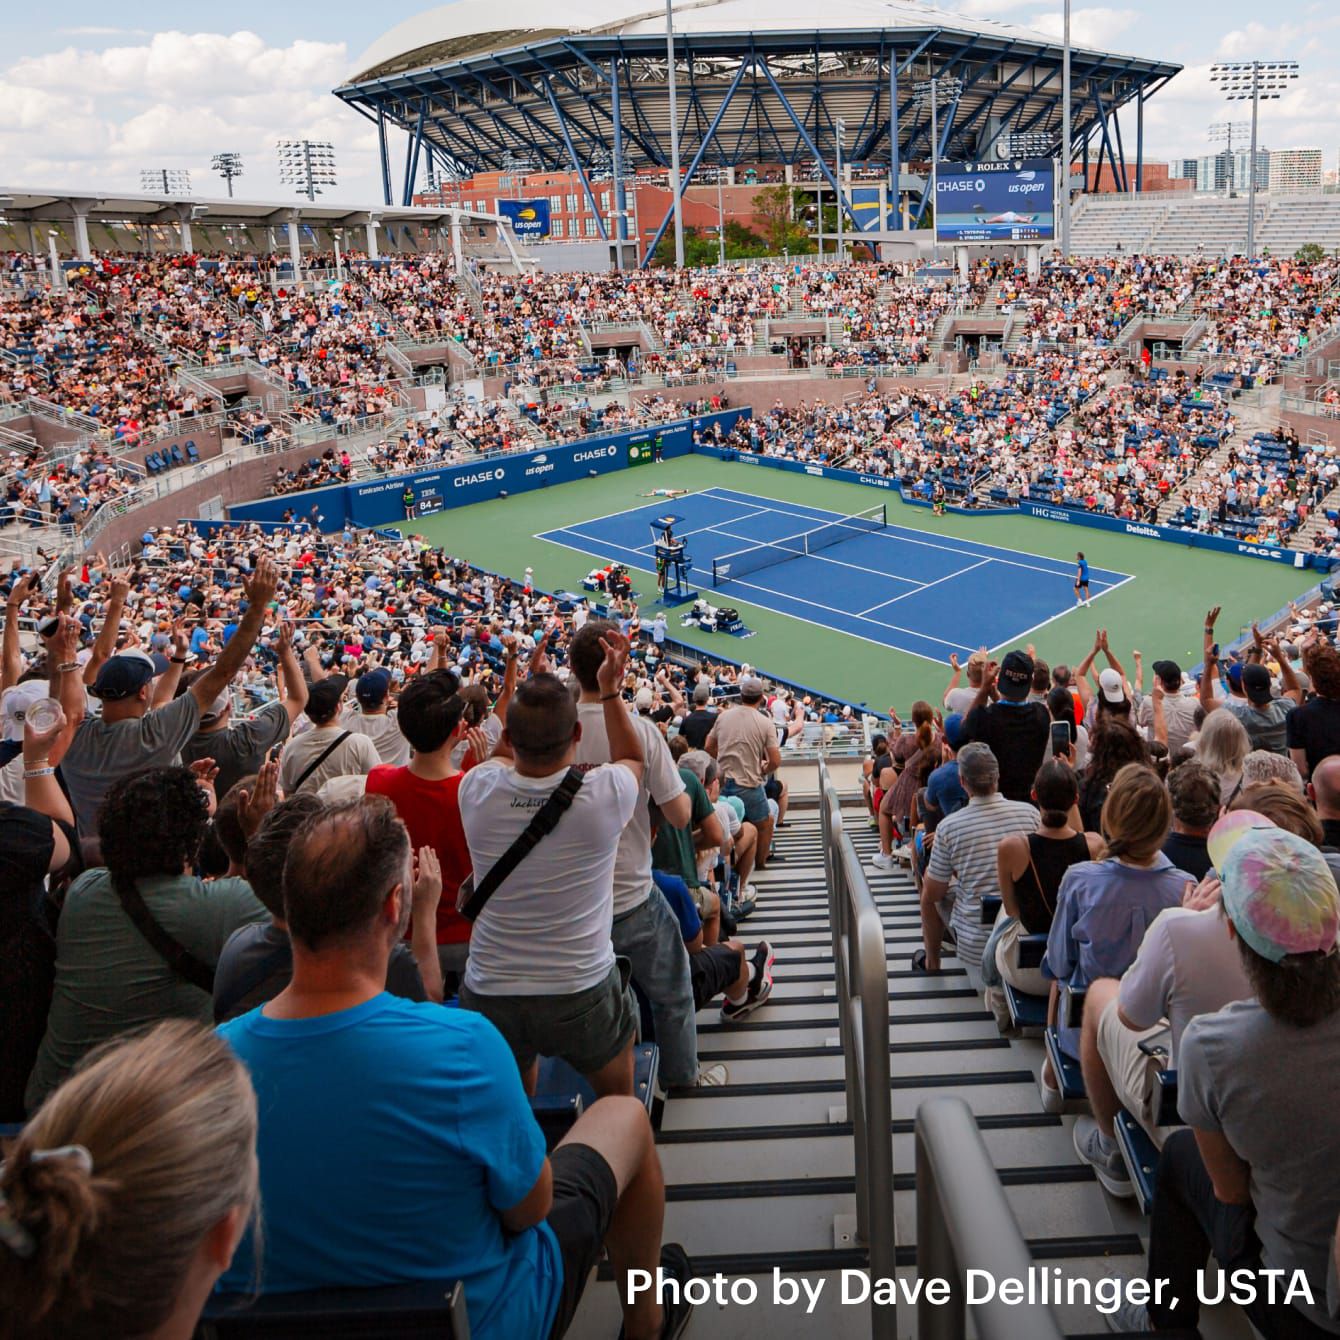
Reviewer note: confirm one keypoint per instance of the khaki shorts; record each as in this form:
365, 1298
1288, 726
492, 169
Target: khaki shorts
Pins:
1028, 980
1130, 1070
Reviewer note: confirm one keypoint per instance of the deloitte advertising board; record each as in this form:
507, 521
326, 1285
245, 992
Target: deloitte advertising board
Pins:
379, 502
1013, 201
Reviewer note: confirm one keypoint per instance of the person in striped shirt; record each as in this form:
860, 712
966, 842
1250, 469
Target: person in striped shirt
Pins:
963, 860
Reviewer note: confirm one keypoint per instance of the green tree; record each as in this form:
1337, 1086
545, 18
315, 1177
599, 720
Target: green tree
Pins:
1310, 253
774, 208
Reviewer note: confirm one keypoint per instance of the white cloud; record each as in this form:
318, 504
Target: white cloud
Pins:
96, 117
1095, 27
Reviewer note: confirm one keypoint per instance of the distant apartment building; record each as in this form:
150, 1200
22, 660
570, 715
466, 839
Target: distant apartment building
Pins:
1295, 171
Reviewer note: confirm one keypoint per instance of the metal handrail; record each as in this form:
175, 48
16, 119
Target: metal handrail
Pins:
964, 1222
862, 976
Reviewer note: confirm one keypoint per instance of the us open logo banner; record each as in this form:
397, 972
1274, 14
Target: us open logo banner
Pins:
529, 218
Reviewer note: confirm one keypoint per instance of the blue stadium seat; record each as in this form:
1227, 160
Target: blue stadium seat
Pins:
391, 1312
559, 1084
1140, 1155
1028, 1014
192, 454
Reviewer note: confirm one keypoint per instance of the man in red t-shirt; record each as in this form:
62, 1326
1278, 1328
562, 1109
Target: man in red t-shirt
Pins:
425, 792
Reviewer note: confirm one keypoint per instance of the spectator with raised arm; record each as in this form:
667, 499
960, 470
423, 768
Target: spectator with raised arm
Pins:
542, 968
1014, 728
1263, 715
130, 736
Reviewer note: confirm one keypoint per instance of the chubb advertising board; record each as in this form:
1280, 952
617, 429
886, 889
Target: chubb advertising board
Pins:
1010, 201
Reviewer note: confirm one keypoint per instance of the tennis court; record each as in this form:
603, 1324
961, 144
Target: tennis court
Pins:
909, 590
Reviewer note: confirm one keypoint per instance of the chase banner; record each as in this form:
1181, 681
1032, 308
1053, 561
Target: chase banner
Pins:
530, 218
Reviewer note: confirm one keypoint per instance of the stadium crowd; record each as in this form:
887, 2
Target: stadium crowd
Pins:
1063, 417
1170, 843
273, 758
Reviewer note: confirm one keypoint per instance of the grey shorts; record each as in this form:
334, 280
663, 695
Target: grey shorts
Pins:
587, 1029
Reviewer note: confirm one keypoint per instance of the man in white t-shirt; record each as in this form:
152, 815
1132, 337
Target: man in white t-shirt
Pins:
645, 931
541, 965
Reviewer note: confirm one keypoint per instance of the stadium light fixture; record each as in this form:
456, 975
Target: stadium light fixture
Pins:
1239, 81
928, 92
229, 166
1029, 144
1229, 131
306, 165
167, 181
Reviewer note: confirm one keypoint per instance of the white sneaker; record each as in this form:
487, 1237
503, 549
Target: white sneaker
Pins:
1053, 1100
712, 1076
882, 862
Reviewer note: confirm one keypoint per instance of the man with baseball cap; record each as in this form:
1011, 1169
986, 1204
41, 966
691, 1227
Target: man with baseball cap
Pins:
374, 717
698, 723
329, 750
1256, 1178
1179, 709
744, 742
129, 735
1013, 728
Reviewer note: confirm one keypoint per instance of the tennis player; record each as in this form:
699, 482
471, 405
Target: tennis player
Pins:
1081, 581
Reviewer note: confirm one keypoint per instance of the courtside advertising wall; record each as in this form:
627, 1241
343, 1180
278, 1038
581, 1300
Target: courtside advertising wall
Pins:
377, 502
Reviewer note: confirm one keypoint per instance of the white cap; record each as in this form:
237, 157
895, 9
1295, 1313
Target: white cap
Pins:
1111, 686
16, 703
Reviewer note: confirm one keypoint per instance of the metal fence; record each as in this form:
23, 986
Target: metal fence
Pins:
964, 1222
862, 976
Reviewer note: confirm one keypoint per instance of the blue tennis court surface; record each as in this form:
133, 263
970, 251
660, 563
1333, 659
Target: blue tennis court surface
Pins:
912, 590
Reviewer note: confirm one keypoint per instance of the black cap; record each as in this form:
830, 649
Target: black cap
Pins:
323, 700
1256, 683
1169, 672
1016, 675
123, 675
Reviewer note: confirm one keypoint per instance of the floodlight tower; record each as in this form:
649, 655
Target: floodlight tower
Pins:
307, 165
169, 181
228, 166
928, 92
1238, 81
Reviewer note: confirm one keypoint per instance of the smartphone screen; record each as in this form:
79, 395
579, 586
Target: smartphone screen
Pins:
1060, 737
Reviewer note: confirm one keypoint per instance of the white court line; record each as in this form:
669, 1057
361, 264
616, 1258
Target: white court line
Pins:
948, 577
1019, 636
642, 507
997, 555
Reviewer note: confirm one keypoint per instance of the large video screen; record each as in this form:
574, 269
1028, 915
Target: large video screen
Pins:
1010, 201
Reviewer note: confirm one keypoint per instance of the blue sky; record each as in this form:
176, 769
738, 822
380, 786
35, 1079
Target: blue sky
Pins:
85, 100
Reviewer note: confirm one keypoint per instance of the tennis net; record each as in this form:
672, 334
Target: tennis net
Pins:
730, 567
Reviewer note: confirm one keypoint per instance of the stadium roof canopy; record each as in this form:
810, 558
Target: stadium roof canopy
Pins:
27, 205
531, 85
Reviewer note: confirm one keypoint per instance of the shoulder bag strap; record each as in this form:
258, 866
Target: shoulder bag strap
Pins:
544, 823
174, 954
319, 760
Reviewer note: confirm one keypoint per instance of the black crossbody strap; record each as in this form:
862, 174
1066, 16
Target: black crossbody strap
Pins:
544, 823
320, 759
175, 955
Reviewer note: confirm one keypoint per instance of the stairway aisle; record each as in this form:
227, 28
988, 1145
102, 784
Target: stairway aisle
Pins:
757, 1171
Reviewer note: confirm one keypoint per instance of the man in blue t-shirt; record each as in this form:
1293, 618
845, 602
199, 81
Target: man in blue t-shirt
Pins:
396, 1142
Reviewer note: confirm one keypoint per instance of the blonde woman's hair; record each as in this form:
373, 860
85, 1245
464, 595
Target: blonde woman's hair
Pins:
1137, 813
168, 1120
1223, 744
